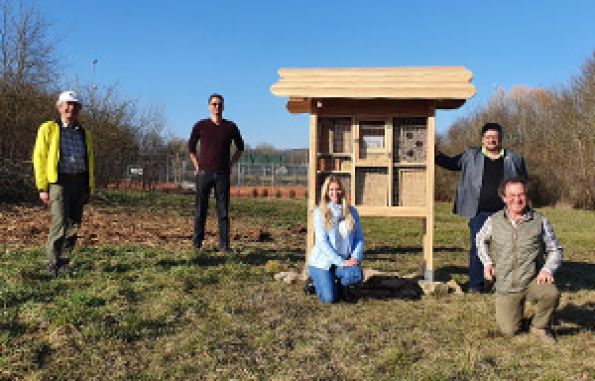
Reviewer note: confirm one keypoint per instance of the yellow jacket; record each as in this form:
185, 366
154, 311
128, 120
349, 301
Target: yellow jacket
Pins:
46, 156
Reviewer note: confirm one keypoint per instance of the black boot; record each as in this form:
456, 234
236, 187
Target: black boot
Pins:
348, 294
309, 288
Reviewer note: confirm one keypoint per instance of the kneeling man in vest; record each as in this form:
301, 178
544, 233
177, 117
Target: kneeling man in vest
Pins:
526, 254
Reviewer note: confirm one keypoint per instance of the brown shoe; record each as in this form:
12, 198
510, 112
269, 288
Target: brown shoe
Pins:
543, 334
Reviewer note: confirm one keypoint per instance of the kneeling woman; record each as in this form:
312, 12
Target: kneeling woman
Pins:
339, 243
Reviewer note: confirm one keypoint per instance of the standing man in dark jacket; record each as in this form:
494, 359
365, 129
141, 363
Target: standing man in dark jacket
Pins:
212, 168
482, 171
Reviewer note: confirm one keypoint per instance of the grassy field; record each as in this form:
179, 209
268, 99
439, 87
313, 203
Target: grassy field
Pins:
139, 304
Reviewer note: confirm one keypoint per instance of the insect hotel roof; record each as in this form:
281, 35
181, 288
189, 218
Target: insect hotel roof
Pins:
448, 86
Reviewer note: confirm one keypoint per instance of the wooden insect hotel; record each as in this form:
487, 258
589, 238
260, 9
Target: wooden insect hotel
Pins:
375, 129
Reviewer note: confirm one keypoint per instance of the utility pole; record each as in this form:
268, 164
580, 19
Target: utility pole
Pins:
93, 85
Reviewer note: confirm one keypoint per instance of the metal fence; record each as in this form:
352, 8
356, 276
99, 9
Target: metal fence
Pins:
180, 174
270, 175
174, 173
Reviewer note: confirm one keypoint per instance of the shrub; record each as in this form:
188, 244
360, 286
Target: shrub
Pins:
265, 192
254, 192
291, 193
272, 266
278, 193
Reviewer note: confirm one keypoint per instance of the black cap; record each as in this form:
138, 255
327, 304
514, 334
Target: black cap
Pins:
491, 126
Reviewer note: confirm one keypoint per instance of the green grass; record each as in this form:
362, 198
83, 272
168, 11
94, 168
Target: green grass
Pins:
131, 312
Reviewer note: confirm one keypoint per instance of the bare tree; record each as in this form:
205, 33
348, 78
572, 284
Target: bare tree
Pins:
27, 69
576, 136
115, 135
27, 55
553, 129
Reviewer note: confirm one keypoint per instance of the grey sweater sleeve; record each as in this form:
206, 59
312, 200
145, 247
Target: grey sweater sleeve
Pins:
482, 241
553, 249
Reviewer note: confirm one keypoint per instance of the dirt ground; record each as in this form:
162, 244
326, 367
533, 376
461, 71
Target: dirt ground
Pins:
26, 226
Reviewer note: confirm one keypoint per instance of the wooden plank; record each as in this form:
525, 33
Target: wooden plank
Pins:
299, 105
434, 71
331, 139
395, 211
373, 70
370, 107
285, 86
374, 108
354, 156
381, 160
401, 92
449, 104
429, 221
311, 184
356, 151
389, 157
449, 85
357, 79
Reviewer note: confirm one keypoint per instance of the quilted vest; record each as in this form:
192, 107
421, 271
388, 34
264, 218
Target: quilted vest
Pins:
518, 252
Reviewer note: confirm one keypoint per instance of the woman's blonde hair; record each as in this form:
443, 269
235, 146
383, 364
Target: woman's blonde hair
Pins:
324, 200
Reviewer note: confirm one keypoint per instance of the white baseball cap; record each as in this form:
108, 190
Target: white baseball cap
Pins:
69, 96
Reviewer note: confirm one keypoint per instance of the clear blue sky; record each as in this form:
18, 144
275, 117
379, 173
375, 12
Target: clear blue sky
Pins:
175, 53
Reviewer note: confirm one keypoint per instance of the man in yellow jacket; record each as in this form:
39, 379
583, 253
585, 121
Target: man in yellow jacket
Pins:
63, 165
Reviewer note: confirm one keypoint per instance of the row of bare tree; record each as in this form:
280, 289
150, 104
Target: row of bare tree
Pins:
29, 84
553, 129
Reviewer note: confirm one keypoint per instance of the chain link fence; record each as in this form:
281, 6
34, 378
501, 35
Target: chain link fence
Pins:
247, 179
170, 173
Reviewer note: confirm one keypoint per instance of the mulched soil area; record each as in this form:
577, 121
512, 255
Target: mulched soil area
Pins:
27, 226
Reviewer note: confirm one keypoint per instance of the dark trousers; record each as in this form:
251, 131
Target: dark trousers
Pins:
205, 181
67, 198
475, 266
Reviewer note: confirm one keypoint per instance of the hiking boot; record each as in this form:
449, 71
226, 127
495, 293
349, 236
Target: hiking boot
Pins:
545, 335
309, 287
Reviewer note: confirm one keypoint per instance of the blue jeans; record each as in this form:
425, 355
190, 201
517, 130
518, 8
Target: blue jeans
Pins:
475, 265
329, 283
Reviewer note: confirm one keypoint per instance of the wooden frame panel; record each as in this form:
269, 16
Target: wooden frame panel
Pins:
376, 93
385, 162
311, 204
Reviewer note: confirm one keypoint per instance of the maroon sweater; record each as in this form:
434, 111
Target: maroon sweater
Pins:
215, 143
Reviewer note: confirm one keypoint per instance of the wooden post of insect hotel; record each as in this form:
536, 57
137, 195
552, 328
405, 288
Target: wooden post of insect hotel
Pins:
375, 129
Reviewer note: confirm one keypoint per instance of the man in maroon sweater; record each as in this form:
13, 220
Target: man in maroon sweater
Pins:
212, 168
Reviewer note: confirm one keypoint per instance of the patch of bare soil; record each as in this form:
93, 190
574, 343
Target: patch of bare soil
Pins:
26, 226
